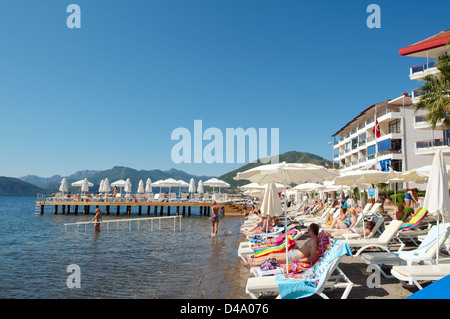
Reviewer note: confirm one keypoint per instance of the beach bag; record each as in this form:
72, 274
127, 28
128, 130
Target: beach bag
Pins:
270, 264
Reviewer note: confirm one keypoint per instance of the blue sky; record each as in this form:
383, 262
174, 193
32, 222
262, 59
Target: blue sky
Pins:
112, 92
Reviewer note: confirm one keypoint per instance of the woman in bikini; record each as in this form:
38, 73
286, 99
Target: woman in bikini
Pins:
215, 218
97, 219
306, 253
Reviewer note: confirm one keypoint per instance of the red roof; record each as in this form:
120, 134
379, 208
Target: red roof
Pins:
435, 41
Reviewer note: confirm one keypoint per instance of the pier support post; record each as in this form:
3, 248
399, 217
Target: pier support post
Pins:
76, 209
63, 209
140, 210
56, 209
155, 211
184, 210
118, 210
68, 209
128, 210
148, 210
201, 210
42, 209
189, 211
161, 210
107, 209
168, 210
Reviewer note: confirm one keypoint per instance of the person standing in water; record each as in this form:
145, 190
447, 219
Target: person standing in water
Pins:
215, 218
97, 219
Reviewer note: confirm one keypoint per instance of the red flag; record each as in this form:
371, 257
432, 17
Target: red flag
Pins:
376, 129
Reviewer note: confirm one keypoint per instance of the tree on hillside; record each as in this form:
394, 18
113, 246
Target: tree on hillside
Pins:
435, 98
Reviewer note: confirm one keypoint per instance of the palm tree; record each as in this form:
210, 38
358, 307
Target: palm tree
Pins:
435, 96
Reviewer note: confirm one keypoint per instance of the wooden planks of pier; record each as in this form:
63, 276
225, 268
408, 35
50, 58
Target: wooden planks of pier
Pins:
149, 208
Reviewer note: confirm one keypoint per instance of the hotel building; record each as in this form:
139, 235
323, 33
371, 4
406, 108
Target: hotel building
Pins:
406, 141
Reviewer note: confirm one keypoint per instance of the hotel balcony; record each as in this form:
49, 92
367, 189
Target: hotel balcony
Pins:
421, 124
429, 147
419, 72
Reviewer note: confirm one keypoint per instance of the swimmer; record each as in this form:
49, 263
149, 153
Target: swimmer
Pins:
215, 218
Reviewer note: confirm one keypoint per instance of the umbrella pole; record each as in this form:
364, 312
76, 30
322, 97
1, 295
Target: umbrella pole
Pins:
285, 227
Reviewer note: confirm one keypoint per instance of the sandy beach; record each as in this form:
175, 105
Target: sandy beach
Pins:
353, 267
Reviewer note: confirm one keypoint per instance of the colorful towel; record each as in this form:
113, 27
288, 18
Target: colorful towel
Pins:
265, 250
305, 284
415, 220
279, 239
324, 242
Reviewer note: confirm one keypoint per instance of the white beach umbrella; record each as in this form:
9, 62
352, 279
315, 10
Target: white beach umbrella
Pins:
200, 187
148, 186
271, 204
120, 184
214, 182
101, 186
192, 186
170, 182
256, 186
437, 199
286, 173
127, 187
141, 189
84, 184
106, 187
63, 187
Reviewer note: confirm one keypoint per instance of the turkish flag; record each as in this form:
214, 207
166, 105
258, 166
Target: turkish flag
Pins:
376, 129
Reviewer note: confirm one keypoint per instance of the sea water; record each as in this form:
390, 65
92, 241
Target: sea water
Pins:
144, 262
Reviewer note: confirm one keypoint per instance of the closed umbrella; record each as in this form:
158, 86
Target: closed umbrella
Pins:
100, 187
148, 186
63, 187
271, 204
192, 186
127, 187
437, 199
106, 187
200, 187
286, 173
141, 189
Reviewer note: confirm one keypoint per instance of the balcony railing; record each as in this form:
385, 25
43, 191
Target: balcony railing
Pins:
433, 143
423, 67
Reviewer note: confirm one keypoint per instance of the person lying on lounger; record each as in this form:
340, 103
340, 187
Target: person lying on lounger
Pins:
344, 221
355, 230
307, 253
258, 228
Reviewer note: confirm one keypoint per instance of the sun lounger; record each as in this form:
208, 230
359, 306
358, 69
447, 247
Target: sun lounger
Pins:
324, 244
425, 253
313, 281
414, 274
386, 239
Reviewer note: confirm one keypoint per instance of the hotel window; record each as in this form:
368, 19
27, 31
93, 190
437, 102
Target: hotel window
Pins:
394, 126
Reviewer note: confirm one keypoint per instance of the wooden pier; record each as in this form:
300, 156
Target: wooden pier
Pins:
144, 207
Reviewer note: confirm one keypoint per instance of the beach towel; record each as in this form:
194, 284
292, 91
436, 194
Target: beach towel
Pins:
415, 220
324, 242
265, 250
305, 284
279, 239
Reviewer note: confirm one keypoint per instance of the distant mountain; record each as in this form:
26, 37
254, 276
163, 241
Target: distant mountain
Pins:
51, 184
288, 157
10, 186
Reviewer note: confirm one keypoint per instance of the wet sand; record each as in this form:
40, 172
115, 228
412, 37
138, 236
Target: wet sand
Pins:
353, 267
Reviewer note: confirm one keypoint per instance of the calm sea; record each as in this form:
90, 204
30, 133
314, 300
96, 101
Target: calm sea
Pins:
36, 251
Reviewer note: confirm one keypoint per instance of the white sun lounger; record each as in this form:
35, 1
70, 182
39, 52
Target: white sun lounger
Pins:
331, 277
425, 253
386, 239
414, 274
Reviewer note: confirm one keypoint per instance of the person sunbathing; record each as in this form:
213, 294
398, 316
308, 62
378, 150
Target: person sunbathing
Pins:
307, 253
355, 230
344, 221
258, 228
